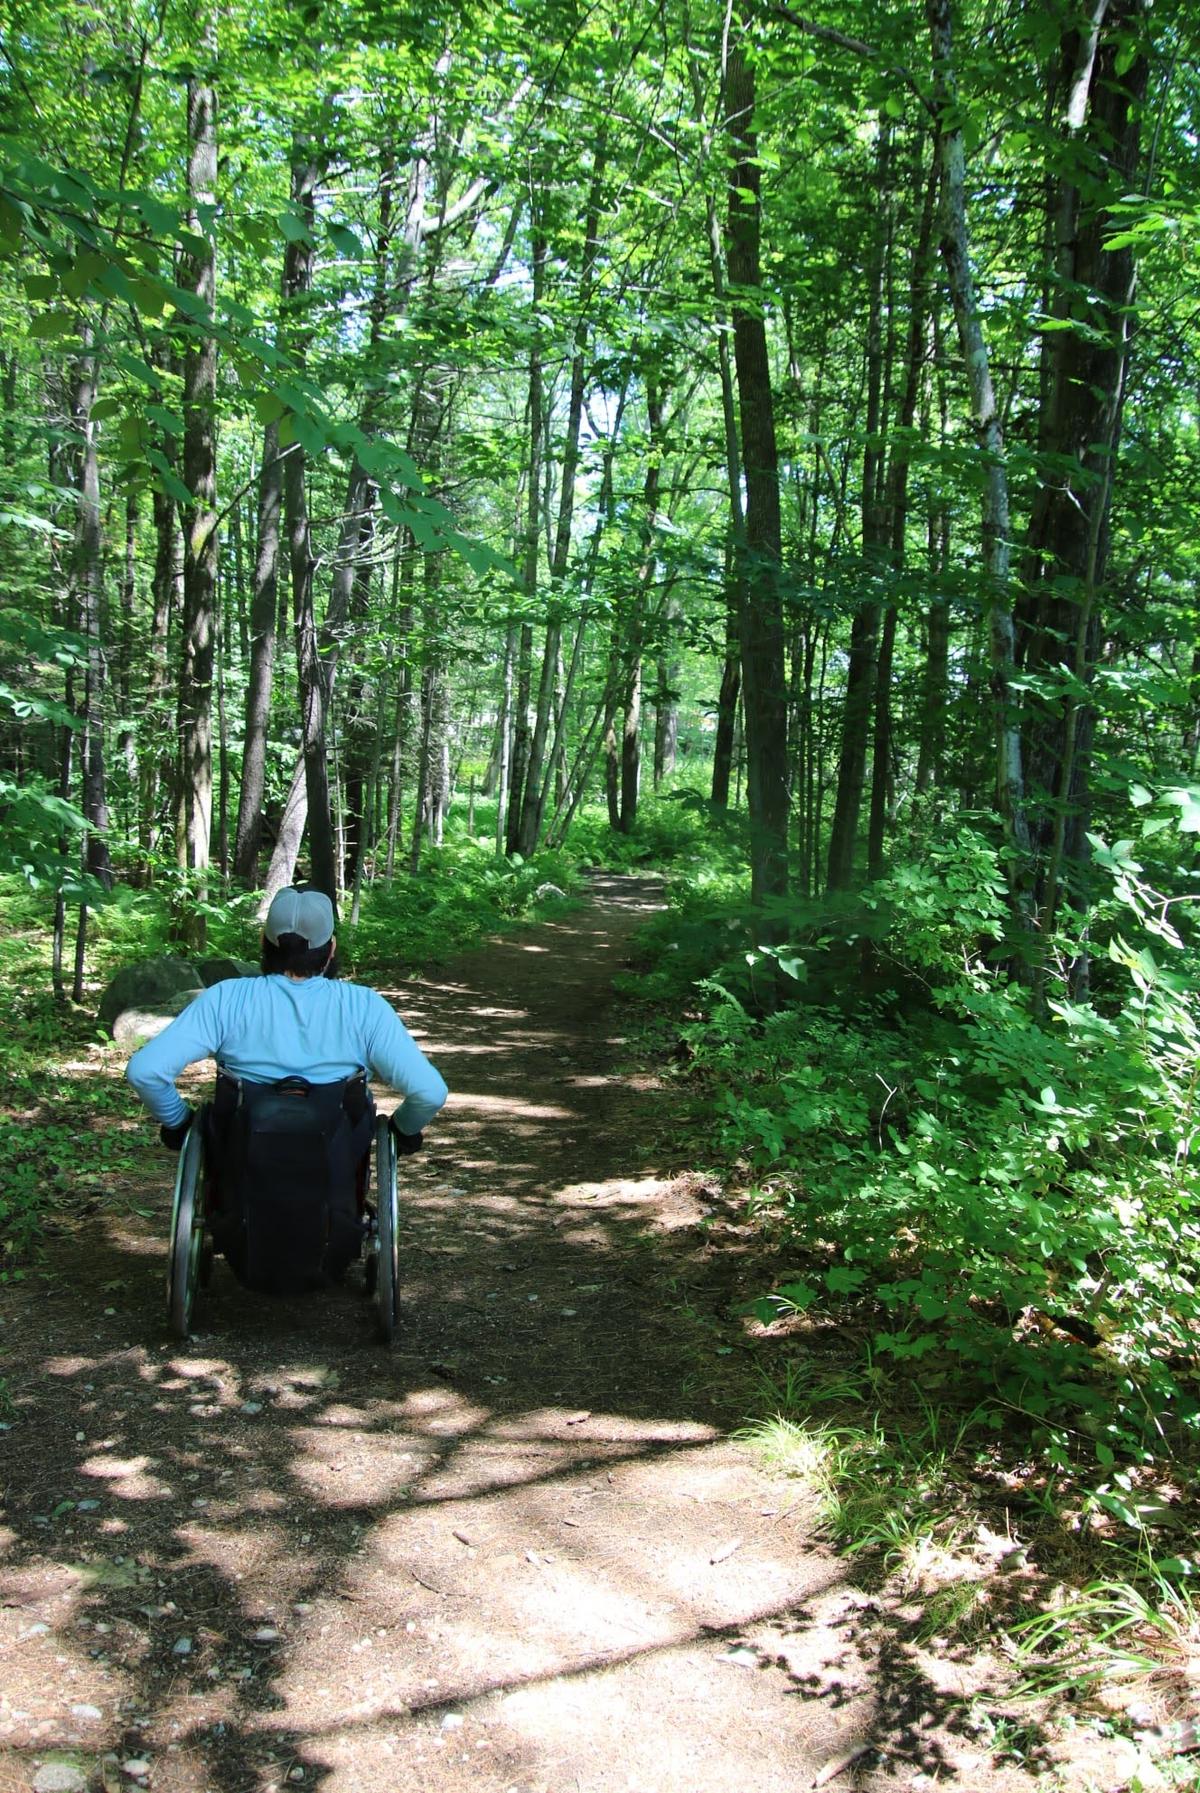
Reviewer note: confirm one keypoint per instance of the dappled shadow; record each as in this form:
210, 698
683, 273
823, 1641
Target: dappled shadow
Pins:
517, 1543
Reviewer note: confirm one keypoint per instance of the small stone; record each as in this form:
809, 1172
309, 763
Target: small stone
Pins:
296, 1774
80, 1437
453, 1721
266, 1634
87, 1506
136, 1767
252, 1407
86, 1712
182, 1646
60, 1777
39, 1628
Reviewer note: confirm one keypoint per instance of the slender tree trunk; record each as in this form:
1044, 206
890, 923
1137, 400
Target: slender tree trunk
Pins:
263, 604
521, 751
198, 276
86, 581
985, 416
311, 672
536, 783
895, 519
727, 700
154, 762
126, 733
504, 733
862, 673
666, 695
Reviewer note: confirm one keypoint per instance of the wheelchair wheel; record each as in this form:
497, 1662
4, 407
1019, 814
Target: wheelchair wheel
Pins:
186, 1265
387, 1251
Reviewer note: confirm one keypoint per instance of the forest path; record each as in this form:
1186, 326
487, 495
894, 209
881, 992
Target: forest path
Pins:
517, 1553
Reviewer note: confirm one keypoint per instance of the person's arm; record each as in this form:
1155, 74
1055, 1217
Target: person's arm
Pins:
193, 1035
396, 1059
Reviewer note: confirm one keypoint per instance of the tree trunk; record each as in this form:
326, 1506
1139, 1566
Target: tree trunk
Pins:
537, 784
521, 768
1085, 369
263, 603
985, 415
761, 630
299, 262
87, 576
198, 276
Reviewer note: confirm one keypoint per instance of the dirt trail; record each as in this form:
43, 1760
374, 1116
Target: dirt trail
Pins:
519, 1552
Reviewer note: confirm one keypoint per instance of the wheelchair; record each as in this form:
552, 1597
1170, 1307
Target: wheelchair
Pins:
277, 1179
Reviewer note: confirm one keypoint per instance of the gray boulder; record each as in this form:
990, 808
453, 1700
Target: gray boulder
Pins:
217, 971
134, 1026
147, 985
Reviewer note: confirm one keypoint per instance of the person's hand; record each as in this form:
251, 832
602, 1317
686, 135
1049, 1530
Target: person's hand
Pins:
407, 1143
173, 1137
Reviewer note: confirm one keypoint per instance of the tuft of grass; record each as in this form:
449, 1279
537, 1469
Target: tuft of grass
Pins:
1119, 1630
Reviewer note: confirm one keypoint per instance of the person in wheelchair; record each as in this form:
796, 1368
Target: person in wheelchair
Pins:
288, 1132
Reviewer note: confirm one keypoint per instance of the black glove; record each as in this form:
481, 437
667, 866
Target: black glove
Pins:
407, 1143
173, 1137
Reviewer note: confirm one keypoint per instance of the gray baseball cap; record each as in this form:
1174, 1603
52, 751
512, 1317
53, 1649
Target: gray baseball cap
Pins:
308, 913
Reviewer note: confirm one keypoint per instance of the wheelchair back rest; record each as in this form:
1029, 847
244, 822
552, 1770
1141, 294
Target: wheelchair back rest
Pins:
288, 1182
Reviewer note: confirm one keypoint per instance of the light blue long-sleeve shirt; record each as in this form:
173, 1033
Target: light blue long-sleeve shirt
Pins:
265, 1028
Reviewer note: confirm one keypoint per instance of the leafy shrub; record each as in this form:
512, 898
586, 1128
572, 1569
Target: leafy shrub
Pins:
1019, 1194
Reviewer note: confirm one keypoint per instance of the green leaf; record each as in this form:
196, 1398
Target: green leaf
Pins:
344, 241
294, 228
844, 1279
268, 407
48, 326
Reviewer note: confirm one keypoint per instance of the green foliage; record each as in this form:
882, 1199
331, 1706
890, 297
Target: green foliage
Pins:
676, 831
462, 892
1015, 1196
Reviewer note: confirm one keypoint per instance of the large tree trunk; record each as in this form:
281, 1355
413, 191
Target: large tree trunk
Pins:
761, 630
1084, 375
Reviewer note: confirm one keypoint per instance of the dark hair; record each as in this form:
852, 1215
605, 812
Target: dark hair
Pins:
293, 953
